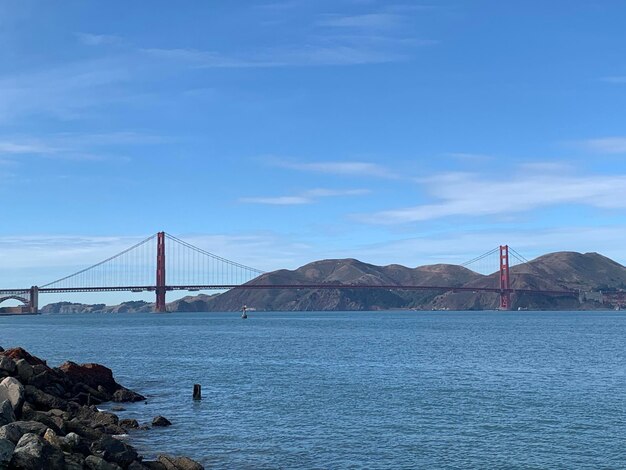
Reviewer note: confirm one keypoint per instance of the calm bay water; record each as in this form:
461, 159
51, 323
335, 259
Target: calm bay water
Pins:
355, 390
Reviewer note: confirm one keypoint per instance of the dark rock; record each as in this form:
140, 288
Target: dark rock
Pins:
124, 395
19, 353
161, 421
11, 432
42, 379
24, 370
12, 390
6, 450
103, 418
73, 443
43, 401
54, 423
113, 430
179, 463
83, 431
7, 365
118, 408
33, 453
97, 396
85, 399
98, 463
136, 465
114, 450
30, 427
6, 413
129, 423
90, 374
154, 465
74, 462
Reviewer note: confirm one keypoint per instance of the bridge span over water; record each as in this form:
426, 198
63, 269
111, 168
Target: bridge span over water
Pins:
163, 263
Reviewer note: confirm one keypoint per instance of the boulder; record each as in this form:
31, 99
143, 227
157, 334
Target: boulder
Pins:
124, 395
6, 451
52, 438
83, 431
129, 423
161, 421
25, 371
92, 375
153, 465
54, 423
6, 413
136, 465
19, 353
11, 432
30, 427
43, 401
12, 390
74, 462
33, 453
7, 365
179, 463
73, 443
98, 463
114, 450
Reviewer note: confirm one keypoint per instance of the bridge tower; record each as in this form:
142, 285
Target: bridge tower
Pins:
505, 293
160, 273
33, 305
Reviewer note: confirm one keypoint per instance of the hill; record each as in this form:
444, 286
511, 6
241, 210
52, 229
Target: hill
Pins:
555, 271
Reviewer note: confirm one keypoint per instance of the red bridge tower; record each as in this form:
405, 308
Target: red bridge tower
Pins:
505, 293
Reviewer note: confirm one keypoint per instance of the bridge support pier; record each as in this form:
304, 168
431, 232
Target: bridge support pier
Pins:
33, 306
160, 273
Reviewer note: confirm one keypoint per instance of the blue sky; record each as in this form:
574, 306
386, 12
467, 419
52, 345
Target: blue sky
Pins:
277, 133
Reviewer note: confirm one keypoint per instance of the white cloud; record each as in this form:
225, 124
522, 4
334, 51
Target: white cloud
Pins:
351, 168
467, 195
277, 201
611, 145
370, 21
64, 92
68, 146
307, 197
615, 79
8, 147
98, 39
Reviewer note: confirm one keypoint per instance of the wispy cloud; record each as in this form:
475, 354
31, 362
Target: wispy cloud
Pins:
64, 91
347, 168
16, 148
306, 197
469, 157
76, 147
617, 79
370, 20
468, 195
90, 39
609, 145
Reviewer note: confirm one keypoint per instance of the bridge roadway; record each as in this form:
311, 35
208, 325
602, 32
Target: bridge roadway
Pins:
193, 288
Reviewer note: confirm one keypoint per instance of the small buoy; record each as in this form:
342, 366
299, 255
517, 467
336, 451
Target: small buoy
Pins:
197, 392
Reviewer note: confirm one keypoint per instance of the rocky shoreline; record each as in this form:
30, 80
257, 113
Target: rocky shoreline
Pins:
49, 419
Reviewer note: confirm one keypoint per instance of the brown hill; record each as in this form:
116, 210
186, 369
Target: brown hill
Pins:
555, 271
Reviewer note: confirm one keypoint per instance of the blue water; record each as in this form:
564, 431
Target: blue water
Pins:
355, 390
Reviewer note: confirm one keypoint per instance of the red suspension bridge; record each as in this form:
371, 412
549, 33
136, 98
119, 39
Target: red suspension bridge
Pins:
149, 266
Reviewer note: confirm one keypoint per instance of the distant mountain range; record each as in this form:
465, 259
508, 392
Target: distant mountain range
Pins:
556, 271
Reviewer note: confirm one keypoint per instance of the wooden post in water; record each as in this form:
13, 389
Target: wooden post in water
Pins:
197, 392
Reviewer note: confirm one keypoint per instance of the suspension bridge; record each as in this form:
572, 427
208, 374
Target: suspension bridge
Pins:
149, 266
